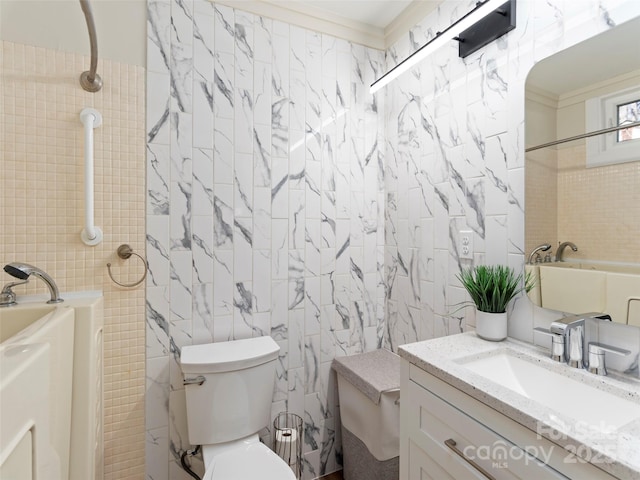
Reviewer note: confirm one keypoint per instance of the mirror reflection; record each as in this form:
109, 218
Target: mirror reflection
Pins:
582, 227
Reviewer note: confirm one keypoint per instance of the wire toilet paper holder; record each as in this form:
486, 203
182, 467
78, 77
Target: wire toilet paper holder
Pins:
287, 440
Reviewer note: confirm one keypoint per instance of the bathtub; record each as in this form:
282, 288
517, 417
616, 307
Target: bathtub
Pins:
588, 287
25, 443
41, 324
71, 334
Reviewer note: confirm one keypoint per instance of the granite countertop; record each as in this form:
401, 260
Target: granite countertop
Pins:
616, 452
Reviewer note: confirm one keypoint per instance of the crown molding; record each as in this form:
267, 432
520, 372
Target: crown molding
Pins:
323, 21
418, 9
608, 85
313, 18
541, 96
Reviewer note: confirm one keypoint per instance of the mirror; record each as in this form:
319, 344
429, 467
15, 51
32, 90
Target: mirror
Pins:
585, 191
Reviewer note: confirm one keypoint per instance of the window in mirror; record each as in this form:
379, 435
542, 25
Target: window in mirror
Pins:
629, 113
610, 110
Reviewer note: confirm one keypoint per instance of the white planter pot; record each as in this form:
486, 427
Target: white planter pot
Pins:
491, 326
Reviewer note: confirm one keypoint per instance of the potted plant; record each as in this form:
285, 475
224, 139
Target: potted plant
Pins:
491, 288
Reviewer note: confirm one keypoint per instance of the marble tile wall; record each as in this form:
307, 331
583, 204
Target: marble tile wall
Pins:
455, 159
272, 173
265, 177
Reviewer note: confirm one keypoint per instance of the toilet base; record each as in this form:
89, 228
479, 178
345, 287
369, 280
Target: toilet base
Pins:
359, 464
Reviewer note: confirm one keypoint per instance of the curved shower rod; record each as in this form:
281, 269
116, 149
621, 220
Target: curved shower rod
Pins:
90, 80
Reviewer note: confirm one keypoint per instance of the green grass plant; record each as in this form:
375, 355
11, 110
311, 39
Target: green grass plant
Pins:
492, 287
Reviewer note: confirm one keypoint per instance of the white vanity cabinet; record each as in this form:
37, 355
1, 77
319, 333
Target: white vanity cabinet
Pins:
447, 434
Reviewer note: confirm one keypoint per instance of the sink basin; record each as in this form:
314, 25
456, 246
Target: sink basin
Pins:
598, 409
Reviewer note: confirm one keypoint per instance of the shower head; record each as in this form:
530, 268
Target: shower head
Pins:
23, 271
18, 270
540, 248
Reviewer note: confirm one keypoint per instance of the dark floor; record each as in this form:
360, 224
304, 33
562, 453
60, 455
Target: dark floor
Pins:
333, 476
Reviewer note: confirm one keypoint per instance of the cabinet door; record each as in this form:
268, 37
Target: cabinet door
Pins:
437, 425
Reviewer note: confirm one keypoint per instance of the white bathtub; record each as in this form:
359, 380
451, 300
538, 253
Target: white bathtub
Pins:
25, 325
25, 443
72, 334
588, 287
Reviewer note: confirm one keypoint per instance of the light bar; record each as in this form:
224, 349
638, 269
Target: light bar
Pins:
442, 38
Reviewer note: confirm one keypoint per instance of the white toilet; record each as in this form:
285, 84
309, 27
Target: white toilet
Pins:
229, 387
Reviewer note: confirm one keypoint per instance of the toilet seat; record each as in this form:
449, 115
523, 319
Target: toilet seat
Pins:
248, 462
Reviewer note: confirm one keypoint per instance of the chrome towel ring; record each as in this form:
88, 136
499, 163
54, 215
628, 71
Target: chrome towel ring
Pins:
124, 252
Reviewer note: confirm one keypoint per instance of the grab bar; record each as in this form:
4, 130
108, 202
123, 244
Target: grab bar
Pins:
90, 118
90, 80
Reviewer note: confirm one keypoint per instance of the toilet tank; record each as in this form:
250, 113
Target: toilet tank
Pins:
235, 399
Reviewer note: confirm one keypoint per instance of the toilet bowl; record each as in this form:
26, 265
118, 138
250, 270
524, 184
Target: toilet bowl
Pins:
228, 388
247, 459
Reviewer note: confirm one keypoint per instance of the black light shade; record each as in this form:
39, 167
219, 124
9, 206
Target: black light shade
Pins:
491, 27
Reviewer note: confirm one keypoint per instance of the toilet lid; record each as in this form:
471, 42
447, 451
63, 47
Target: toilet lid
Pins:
255, 461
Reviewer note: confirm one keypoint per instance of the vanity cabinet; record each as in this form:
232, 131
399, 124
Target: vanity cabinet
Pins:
447, 434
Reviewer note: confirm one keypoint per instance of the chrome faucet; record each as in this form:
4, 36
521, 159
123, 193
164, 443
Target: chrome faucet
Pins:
23, 271
596, 356
540, 248
557, 344
561, 248
572, 330
7, 296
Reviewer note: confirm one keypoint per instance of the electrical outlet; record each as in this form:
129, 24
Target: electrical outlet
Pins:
465, 244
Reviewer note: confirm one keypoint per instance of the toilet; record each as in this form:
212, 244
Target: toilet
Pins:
229, 387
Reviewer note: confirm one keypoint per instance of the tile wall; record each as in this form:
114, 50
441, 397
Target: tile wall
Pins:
607, 197
541, 196
265, 167
596, 208
283, 203
42, 211
455, 159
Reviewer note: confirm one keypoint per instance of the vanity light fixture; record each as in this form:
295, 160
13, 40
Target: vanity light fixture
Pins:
488, 21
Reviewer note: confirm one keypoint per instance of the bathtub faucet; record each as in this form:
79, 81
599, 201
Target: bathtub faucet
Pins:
7, 296
540, 248
23, 271
561, 248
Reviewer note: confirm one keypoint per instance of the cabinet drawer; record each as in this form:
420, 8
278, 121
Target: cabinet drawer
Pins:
424, 466
438, 421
